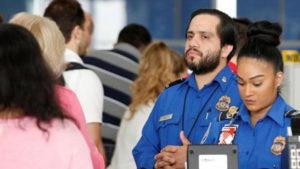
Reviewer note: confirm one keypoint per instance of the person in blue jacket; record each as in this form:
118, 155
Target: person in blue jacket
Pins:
191, 104
260, 128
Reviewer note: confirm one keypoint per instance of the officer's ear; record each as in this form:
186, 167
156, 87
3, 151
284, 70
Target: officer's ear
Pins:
278, 79
225, 50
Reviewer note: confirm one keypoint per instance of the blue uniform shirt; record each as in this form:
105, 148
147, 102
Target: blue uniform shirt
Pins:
174, 112
255, 142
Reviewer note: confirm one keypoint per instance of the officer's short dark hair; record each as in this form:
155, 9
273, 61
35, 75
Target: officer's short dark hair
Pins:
242, 27
226, 29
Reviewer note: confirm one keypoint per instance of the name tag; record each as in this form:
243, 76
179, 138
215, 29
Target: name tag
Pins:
166, 117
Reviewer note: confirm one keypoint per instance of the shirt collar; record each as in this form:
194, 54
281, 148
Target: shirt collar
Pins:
223, 78
244, 114
277, 110
71, 56
276, 113
190, 81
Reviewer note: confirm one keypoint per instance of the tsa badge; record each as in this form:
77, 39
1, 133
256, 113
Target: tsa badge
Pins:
278, 145
223, 104
227, 134
231, 112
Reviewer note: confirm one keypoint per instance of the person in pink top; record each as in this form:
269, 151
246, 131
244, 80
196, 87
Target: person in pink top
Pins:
71, 105
35, 133
52, 45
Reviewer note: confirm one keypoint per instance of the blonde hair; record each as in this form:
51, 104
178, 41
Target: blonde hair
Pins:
158, 67
49, 37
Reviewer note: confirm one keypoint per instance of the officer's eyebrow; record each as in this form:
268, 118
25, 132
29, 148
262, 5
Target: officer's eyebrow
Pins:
190, 32
200, 32
251, 78
205, 32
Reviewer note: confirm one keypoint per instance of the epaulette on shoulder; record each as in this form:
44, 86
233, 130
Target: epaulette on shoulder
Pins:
175, 82
293, 113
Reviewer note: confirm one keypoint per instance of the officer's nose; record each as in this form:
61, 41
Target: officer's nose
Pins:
194, 42
248, 91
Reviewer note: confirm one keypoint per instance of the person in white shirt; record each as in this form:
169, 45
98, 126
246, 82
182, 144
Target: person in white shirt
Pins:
70, 18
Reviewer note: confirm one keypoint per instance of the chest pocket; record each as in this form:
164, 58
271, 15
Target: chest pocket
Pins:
169, 128
168, 119
207, 116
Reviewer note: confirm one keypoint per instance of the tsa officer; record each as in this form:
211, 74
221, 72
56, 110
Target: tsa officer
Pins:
192, 104
260, 127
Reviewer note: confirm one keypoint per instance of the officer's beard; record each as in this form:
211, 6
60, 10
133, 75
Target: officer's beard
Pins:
206, 64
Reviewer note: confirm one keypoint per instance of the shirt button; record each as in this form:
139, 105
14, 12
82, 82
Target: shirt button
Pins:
247, 152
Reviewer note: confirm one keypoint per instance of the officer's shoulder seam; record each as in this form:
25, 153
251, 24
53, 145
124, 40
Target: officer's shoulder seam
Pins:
175, 83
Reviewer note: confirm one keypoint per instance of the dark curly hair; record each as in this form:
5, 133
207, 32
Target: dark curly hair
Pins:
263, 39
26, 81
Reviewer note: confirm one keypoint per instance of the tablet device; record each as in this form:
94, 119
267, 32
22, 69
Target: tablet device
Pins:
212, 157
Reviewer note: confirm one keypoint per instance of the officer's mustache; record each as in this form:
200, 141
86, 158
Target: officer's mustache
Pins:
195, 50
